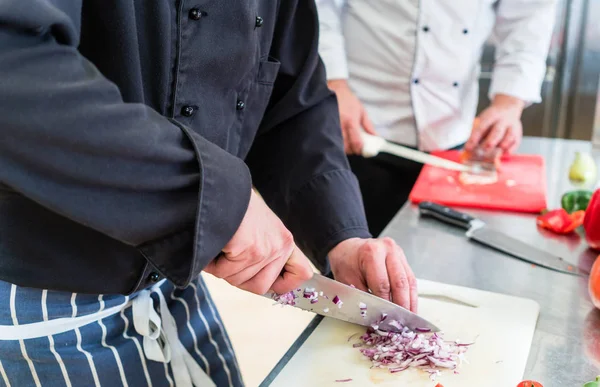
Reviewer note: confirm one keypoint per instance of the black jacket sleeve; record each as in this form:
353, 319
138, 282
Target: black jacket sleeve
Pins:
70, 143
298, 162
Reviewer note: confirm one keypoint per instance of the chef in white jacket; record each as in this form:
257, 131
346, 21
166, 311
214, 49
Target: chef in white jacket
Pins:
408, 70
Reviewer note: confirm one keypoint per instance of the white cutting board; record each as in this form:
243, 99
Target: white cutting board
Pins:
502, 327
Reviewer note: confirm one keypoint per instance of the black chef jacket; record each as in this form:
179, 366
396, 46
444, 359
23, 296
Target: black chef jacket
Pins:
131, 132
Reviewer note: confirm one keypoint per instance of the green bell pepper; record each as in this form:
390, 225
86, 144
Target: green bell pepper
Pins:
595, 383
576, 201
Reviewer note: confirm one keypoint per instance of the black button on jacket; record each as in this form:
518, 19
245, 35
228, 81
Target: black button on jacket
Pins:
107, 180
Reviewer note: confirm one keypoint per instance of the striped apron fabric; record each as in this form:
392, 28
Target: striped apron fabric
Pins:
161, 336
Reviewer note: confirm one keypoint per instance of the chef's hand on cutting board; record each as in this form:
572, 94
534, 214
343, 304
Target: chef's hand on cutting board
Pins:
353, 117
378, 265
259, 252
498, 126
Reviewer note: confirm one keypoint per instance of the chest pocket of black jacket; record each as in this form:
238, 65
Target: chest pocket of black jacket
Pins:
252, 104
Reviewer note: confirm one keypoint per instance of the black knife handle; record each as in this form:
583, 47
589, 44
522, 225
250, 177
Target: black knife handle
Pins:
445, 214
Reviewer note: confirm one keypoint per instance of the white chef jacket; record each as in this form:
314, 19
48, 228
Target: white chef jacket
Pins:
415, 64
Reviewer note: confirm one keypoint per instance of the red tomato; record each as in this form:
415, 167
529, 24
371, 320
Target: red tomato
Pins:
594, 284
529, 383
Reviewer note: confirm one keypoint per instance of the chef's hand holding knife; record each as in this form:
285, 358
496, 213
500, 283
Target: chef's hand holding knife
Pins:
353, 117
499, 125
262, 256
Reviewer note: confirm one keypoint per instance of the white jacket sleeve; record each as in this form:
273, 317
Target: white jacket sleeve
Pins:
331, 39
522, 33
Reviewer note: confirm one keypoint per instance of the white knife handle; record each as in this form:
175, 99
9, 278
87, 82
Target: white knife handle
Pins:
373, 145
422, 157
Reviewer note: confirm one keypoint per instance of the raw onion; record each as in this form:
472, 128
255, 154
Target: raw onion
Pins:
288, 298
363, 309
336, 300
311, 294
399, 351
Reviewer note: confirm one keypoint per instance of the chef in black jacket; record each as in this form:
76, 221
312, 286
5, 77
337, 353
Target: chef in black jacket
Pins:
131, 134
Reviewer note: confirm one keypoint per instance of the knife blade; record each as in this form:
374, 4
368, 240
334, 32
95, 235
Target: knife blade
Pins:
478, 231
350, 309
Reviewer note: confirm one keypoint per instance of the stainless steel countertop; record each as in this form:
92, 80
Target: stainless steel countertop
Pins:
566, 346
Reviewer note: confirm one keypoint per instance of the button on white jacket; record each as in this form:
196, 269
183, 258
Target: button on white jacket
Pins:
415, 64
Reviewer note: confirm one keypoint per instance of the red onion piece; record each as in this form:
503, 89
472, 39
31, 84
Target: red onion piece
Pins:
343, 380
336, 300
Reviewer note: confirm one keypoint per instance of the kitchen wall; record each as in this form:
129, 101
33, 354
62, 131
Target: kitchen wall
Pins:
570, 89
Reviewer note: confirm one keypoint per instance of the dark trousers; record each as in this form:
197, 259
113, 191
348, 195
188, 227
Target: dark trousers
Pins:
385, 182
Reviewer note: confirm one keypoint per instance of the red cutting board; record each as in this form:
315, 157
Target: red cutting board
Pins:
521, 186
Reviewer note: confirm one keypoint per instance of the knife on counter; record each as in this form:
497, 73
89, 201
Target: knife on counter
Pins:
334, 299
478, 231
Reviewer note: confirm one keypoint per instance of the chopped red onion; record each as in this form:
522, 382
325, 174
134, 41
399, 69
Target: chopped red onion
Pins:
396, 324
343, 380
363, 309
336, 300
288, 298
399, 351
311, 295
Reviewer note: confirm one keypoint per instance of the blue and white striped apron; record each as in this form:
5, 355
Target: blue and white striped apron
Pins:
50, 338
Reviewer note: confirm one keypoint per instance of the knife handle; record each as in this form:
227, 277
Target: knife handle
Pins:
445, 214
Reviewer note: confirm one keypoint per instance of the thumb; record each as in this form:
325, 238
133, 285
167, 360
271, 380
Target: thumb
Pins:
480, 127
296, 271
355, 141
367, 124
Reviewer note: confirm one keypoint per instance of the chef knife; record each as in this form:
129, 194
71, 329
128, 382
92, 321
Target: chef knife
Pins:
478, 231
343, 302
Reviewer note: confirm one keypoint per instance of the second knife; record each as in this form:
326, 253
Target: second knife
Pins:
478, 231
